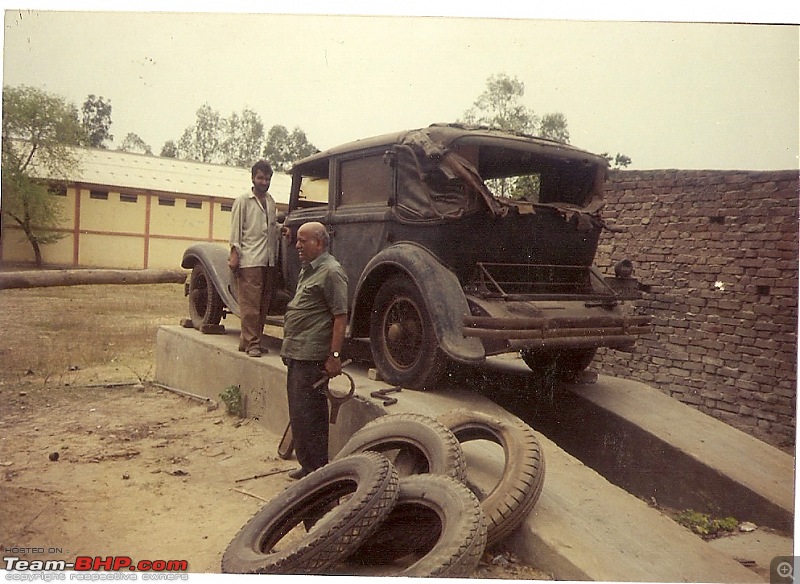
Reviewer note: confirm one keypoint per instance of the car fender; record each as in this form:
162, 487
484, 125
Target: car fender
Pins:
214, 258
440, 289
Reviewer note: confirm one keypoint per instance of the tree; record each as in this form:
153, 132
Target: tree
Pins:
243, 137
39, 129
499, 106
169, 149
283, 148
96, 121
618, 161
554, 127
201, 142
238, 140
299, 146
133, 143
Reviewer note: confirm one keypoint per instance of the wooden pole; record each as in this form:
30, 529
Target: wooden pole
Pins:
48, 278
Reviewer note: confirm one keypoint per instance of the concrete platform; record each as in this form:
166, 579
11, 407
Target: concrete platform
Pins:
638, 437
582, 528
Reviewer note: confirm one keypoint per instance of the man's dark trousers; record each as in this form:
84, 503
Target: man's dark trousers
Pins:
308, 412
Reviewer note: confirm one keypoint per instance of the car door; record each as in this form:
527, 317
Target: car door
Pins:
364, 185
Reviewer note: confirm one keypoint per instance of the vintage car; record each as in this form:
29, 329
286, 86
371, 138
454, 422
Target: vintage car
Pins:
459, 243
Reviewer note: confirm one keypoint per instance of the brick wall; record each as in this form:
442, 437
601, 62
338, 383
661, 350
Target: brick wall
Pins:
719, 252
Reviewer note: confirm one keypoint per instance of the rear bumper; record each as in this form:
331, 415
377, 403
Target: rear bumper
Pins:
506, 333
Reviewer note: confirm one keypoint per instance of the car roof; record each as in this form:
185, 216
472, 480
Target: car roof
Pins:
446, 134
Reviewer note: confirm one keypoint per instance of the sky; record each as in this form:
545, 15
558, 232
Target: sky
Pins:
688, 95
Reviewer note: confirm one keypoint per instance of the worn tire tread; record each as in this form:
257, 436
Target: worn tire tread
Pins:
518, 490
334, 537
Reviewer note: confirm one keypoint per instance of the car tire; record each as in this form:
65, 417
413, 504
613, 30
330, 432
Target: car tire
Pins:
415, 443
367, 485
437, 519
520, 485
404, 345
205, 304
564, 364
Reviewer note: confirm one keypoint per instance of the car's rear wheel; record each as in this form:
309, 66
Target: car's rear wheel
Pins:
404, 345
562, 365
205, 304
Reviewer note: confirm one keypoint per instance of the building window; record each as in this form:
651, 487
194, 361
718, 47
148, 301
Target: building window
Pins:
128, 198
227, 207
194, 205
166, 202
57, 190
99, 195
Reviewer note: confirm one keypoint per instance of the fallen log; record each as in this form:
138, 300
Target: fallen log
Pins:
47, 278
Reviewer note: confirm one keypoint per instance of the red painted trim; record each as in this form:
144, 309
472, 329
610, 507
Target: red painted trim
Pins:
211, 220
76, 228
147, 207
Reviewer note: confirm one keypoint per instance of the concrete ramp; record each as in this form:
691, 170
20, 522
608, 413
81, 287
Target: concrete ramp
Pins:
582, 528
658, 448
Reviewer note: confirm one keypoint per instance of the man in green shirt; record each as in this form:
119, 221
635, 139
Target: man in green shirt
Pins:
313, 334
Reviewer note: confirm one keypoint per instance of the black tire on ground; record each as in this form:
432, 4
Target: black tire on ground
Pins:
438, 520
361, 490
415, 444
404, 345
205, 304
563, 364
520, 485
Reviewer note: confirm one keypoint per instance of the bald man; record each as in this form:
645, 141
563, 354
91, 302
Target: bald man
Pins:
313, 335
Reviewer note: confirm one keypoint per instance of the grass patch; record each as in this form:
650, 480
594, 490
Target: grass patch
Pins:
232, 398
704, 525
45, 331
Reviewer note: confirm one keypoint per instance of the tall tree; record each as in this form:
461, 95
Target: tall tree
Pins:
299, 146
39, 129
133, 143
554, 127
283, 148
243, 137
96, 121
169, 149
201, 142
500, 106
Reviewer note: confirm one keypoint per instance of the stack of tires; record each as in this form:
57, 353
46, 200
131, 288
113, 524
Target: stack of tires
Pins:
396, 501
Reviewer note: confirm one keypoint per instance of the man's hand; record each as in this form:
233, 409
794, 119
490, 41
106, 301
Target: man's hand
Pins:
333, 366
233, 260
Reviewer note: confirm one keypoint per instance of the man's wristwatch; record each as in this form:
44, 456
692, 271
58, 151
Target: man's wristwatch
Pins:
335, 354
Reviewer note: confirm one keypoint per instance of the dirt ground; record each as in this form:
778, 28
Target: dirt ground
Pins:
95, 460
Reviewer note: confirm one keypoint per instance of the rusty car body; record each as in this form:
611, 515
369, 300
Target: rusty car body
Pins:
459, 243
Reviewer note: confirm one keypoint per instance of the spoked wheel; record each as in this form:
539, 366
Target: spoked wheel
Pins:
404, 345
205, 304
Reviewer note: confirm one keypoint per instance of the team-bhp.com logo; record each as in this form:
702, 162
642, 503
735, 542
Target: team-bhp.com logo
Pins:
19, 569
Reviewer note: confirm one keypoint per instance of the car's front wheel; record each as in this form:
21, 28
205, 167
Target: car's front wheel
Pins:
205, 304
404, 345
